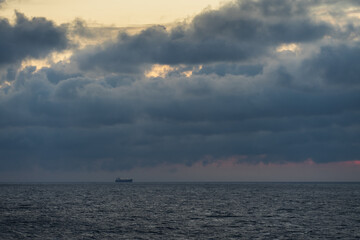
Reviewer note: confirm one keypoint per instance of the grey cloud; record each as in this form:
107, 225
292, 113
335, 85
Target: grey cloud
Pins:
223, 69
55, 76
79, 30
336, 65
267, 22
90, 123
33, 38
237, 32
11, 74
79, 27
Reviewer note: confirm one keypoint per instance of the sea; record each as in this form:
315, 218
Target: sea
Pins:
180, 211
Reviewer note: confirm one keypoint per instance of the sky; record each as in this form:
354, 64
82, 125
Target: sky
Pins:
185, 90
120, 13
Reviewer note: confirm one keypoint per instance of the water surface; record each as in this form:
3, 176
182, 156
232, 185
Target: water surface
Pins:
180, 211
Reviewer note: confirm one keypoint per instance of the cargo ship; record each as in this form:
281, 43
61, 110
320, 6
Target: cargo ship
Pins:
123, 180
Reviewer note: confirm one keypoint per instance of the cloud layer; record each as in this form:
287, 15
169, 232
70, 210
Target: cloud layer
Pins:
235, 87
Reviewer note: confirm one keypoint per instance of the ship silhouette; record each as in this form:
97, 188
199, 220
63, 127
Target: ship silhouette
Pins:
123, 180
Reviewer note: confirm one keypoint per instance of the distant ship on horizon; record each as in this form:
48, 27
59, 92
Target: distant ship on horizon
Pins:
123, 180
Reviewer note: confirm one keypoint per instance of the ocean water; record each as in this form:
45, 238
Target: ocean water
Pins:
180, 211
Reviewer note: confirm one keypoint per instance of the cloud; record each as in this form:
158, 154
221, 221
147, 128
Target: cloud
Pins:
29, 38
80, 122
223, 69
238, 31
336, 65
243, 97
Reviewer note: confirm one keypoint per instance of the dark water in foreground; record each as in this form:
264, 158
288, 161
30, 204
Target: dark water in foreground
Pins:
180, 211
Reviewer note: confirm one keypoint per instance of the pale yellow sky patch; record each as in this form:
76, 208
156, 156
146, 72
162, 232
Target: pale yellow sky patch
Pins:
190, 72
117, 13
354, 12
324, 13
292, 47
38, 63
5, 84
48, 61
158, 70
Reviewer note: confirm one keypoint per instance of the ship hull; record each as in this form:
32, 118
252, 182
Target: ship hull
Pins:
123, 180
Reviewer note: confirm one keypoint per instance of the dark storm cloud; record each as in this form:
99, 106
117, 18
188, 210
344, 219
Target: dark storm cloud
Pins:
79, 101
237, 32
33, 38
336, 65
79, 122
